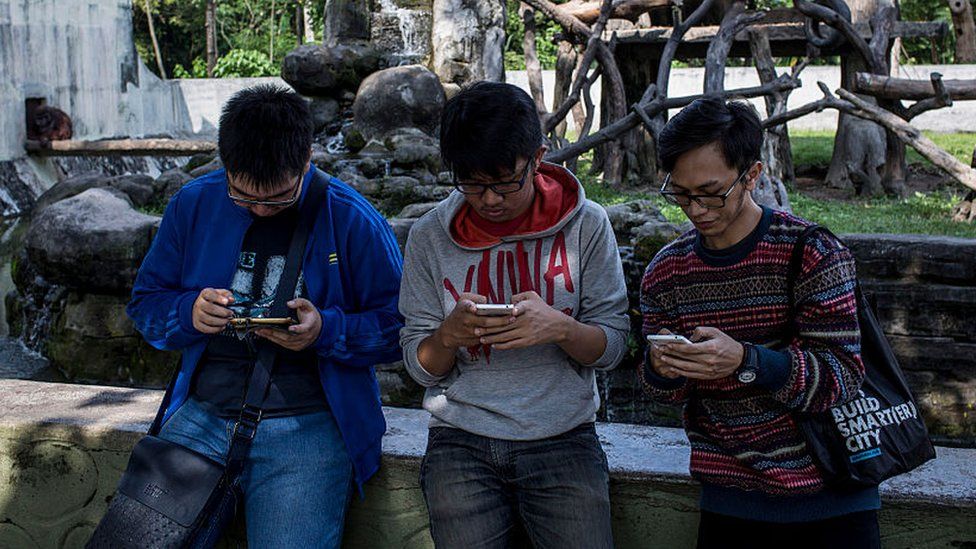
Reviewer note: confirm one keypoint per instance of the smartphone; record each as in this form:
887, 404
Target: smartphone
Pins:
244, 323
492, 309
673, 338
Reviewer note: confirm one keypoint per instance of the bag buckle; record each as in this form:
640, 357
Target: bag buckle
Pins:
247, 423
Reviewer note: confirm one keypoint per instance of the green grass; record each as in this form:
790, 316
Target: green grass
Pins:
919, 213
816, 147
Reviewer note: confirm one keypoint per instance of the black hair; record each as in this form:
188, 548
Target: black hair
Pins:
486, 127
734, 126
265, 135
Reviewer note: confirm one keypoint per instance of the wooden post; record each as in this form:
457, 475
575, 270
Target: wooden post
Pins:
964, 29
533, 68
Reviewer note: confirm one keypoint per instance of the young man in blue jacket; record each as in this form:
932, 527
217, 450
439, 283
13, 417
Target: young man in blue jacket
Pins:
220, 251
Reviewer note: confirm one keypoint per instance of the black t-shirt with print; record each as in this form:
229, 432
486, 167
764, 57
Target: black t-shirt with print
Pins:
227, 361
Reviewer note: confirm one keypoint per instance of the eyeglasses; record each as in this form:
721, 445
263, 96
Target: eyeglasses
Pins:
500, 188
707, 201
252, 202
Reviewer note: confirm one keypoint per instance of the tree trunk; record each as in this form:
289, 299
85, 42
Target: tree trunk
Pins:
273, 27
777, 154
859, 145
533, 68
965, 30
210, 29
566, 60
152, 36
307, 27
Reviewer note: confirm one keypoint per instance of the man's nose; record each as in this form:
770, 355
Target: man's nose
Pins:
261, 211
491, 198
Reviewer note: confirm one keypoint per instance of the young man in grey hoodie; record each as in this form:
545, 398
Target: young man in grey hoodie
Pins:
512, 398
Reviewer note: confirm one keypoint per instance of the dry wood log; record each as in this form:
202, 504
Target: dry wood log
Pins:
890, 87
657, 105
777, 151
962, 22
854, 105
778, 32
735, 20
588, 11
133, 147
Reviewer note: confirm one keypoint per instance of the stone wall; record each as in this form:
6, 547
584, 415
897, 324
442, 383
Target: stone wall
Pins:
64, 447
924, 291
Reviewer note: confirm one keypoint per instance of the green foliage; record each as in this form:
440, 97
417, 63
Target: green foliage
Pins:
244, 30
545, 38
919, 213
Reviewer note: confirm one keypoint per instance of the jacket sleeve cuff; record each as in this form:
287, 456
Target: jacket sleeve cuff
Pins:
773, 368
184, 311
333, 329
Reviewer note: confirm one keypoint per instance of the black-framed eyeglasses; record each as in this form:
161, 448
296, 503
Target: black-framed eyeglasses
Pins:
252, 202
707, 201
500, 188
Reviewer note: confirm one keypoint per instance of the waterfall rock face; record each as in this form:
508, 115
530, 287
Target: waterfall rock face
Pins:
345, 21
402, 28
92, 241
468, 39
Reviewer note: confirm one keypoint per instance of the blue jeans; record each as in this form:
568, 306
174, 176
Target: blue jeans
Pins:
482, 492
297, 480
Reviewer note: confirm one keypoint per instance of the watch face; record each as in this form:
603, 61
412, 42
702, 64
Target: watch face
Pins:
747, 376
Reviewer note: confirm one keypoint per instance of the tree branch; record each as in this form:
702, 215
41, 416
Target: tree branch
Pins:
734, 21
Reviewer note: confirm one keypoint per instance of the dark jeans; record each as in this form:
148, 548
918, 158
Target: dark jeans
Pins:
483, 492
853, 531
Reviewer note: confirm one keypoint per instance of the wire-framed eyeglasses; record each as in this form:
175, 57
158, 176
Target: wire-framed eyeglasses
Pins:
707, 201
500, 188
253, 202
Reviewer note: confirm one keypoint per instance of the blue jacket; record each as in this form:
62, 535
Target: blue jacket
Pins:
352, 270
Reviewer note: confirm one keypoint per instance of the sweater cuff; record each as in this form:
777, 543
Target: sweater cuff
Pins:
773, 368
614, 351
660, 382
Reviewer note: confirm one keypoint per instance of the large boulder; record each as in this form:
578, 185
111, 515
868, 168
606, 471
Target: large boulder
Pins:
92, 241
400, 97
138, 189
412, 148
93, 340
317, 70
169, 182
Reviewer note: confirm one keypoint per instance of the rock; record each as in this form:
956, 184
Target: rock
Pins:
628, 216
325, 111
317, 70
451, 89
401, 228
322, 158
397, 388
169, 182
399, 97
650, 237
20, 186
914, 257
413, 211
94, 340
345, 21
93, 241
771, 192
198, 160
141, 189
412, 147
468, 40
353, 138
211, 166
364, 186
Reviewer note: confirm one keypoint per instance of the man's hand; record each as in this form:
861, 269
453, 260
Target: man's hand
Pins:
299, 336
657, 358
712, 355
535, 323
463, 327
210, 312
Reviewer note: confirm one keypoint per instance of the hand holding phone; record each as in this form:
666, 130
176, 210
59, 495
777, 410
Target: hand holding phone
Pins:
494, 309
669, 338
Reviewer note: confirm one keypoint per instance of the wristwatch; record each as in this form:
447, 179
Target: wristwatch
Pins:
749, 369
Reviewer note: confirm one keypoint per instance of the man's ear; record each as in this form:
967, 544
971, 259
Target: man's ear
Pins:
540, 154
752, 177
308, 160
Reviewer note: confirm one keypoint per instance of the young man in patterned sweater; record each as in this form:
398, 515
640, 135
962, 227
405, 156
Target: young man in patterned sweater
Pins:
723, 285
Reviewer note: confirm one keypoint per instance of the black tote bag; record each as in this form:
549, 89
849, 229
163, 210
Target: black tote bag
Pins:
879, 433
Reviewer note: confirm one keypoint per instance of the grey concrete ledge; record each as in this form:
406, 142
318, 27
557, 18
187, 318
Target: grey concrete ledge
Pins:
634, 452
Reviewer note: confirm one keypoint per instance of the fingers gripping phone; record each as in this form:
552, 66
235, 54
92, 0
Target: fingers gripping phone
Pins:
492, 309
670, 338
250, 323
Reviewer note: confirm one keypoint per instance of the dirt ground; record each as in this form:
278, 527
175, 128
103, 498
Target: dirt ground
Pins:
921, 178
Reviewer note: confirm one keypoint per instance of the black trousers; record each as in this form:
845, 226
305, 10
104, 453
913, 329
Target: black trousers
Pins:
853, 531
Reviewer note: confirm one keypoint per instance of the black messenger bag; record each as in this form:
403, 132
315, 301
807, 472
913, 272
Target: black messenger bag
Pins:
878, 434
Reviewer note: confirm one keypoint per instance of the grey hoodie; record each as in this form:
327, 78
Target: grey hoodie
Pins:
519, 394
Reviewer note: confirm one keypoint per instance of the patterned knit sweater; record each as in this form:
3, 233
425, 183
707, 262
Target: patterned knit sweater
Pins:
743, 436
